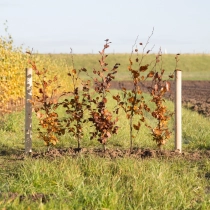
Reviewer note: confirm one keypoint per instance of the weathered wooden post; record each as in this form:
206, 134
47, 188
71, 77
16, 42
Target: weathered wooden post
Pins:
178, 110
28, 111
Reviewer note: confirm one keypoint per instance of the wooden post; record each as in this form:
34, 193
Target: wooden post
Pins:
178, 110
28, 111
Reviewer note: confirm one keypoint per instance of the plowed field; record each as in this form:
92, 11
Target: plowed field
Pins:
195, 94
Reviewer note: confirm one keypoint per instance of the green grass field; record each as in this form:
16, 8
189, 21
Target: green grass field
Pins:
102, 183
193, 66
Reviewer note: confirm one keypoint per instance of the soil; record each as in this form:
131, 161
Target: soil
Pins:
137, 153
195, 94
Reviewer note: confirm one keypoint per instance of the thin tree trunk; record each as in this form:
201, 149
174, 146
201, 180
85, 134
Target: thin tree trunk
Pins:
131, 132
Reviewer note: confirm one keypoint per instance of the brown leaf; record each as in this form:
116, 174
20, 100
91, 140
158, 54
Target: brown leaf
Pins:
144, 68
104, 100
157, 131
131, 99
156, 76
168, 86
142, 119
106, 46
136, 127
55, 78
171, 76
39, 115
151, 74
156, 87
108, 134
74, 71
117, 98
55, 101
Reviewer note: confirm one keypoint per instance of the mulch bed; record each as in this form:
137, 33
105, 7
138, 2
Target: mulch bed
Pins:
137, 153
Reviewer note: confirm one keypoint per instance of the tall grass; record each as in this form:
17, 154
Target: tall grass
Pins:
98, 183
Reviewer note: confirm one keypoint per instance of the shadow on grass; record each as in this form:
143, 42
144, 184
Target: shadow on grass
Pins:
11, 196
8, 151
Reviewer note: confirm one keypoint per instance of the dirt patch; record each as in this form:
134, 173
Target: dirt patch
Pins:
137, 153
195, 94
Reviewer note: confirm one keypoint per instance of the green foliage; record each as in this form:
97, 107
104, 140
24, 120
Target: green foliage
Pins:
11, 123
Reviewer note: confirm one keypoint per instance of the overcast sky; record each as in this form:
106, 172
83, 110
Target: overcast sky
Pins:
53, 26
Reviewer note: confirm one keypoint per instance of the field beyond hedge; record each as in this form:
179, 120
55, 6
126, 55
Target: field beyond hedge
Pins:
193, 66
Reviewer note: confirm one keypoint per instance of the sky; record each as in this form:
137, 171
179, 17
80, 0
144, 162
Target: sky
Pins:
55, 26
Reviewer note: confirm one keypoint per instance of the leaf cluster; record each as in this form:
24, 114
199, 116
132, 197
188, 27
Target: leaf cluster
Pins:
83, 106
101, 116
12, 75
75, 105
45, 104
